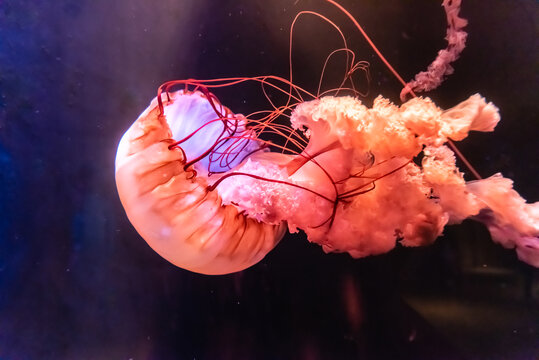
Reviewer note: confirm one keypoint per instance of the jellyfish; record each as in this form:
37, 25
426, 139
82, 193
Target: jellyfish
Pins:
211, 193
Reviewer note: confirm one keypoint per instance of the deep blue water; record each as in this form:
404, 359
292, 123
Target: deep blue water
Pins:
76, 280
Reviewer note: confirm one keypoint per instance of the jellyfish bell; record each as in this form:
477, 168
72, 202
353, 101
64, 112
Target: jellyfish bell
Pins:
170, 206
201, 186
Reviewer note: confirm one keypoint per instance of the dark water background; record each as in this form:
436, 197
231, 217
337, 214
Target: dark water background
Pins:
77, 282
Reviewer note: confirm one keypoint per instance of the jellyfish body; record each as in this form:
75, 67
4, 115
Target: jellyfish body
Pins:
354, 188
200, 185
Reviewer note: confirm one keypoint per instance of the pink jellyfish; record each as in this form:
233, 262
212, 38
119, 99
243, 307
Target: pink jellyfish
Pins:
208, 193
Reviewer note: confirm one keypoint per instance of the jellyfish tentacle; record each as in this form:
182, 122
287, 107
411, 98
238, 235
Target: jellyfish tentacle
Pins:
366, 155
441, 67
370, 42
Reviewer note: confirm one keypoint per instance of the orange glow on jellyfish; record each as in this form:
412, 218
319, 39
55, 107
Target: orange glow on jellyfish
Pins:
208, 192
